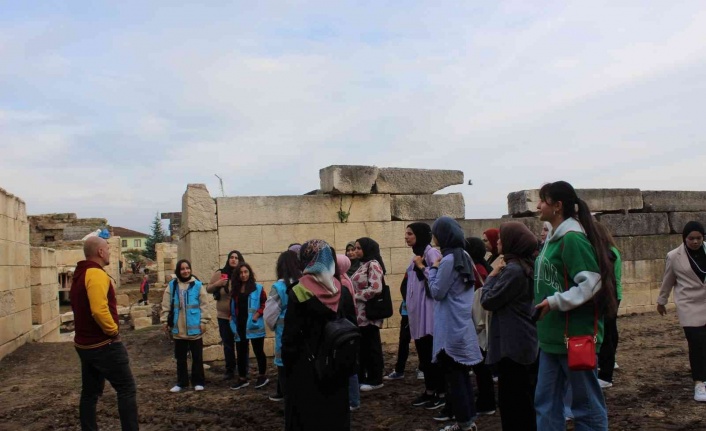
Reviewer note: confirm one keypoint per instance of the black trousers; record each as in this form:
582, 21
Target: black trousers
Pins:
403, 346
516, 385
459, 397
696, 338
281, 381
433, 376
486, 387
181, 347
243, 348
371, 361
228, 339
606, 357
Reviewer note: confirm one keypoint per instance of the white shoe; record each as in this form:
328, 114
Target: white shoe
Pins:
420, 375
368, 388
615, 366
175, 389
198, 388
700, 392
604, 384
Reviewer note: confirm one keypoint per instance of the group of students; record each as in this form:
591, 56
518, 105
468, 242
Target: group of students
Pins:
510, 315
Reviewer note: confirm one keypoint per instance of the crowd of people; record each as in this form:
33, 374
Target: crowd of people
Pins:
505, 307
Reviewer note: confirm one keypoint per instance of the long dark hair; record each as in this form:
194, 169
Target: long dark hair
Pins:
227, 269
237, 284
574, 207
178, 266
288, 267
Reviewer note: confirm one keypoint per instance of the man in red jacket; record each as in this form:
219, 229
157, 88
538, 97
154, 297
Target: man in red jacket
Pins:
97, 340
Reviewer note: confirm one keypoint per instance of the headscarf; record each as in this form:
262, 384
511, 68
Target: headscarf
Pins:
355, 263
371, 251
519, 243
476, 249
697, 258
493, 234
422, 232
316, 257
449, 235
344, 264
295, 248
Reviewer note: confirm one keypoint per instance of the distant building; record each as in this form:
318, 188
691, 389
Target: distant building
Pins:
130, 240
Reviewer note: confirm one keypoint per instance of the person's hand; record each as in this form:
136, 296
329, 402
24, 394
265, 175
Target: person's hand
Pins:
418, 262
498, 265
255, 317
661, 309
437, 263
544, 306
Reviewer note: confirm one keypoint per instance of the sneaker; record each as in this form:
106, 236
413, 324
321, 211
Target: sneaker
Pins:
354, 408
604, 384
444, 416
276, 397
240, 384
495, 379
700, 392
486, 413
198, 388
175, 389
394, 376
420, 375
435, 403
423, 399
616, 366
261, 381
368, 388
457, 427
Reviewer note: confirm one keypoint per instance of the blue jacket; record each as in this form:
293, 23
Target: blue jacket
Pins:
252, 329
281, 289
192, 304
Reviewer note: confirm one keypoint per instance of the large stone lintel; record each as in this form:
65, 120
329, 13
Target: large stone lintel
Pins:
426, 207
348, 179
402, 181
677, 220
672, 200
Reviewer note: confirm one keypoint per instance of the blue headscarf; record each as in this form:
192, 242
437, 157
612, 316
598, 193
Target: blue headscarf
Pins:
319, 262
449, 235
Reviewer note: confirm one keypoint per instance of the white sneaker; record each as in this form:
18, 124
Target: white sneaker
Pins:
175, 389
700, 392
420, 375
368, 388
198, 388
604, 384
616, 366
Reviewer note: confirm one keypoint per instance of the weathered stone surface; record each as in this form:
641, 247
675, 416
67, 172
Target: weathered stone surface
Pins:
647, 247
672, 200
677, 220
598, 200
45, 293
276, 210
387, 234
402, 181
425, 207
201, 249
348, 179
43, 313
277, 238
246, 239
67, 317
636, 223
198, 210
122, 299
141, 322
136, 314
42, 257
642, 271
213, 353
47, 332
400, 258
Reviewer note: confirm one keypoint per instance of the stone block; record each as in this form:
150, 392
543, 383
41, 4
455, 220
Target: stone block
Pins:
213, 353
525, 202
263, 265
21, 255
522, 202
277, 210
402, 181
276, 238
476, 227
141, 322
44, 312
42, 257
20, 277
201, 248
14, 301
426, 207
647, 247
14, 344
15, 325
45, 293
198, 210
47, 332
6, 274
642, 271
677, 220
387, 234
348, 179
394, 281
67, 317
672, 200
400, 258
246, 239
122, 299
635, 298
136, 314
634, 224
69, 257
42, 276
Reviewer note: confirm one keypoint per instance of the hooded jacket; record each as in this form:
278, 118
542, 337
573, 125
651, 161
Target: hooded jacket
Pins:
94, 305
568, 276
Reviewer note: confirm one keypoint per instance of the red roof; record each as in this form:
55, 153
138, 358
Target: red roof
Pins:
127, 233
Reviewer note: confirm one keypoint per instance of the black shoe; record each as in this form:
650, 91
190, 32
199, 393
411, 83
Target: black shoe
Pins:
261, 381
444, 416
423, 399
436, 403
240, 384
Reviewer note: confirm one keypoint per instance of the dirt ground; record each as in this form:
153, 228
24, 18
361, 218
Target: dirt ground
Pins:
41, 385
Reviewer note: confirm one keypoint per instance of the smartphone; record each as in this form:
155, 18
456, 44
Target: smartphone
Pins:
224, 276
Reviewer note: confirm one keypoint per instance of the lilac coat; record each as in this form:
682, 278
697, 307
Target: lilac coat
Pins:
420, 308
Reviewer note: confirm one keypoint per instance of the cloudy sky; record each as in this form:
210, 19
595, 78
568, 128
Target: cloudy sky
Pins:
108, 109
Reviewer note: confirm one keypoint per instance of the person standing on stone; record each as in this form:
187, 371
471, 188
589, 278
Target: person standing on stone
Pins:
184, 316
367, 283
97, 338
685, 273
145, 288
490, 239
219, 286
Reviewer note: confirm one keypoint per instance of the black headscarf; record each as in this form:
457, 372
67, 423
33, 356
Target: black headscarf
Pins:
371, 251
355, 263
422, 232
476, 249
697, 258
449, 235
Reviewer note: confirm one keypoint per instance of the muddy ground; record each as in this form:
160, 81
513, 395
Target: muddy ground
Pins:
41, 384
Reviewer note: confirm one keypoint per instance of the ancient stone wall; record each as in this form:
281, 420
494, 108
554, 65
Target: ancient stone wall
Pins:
45, 290
166, 261
50, 230
15, 291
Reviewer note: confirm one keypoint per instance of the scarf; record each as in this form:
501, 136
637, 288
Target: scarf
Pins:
344, 264
492, 234
449, 235
319, 268
476, 249
371, 251
422, 232
519, 243
697, 258
355, 263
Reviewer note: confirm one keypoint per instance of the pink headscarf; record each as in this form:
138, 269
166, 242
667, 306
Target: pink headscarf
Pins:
344, 264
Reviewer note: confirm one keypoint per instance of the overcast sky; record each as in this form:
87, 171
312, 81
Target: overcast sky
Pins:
108, 109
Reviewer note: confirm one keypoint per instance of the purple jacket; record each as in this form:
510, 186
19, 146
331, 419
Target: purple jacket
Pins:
420, 308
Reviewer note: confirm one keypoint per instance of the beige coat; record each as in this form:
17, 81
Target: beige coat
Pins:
689, 291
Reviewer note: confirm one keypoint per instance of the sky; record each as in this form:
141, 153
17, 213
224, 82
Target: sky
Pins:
109, 109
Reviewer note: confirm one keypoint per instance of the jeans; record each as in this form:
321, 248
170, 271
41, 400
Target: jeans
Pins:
403, 347
109, 362
353, 391
696, 338
433, 376
587, 402
459, 389
228, 339
258, 346
181, 347
516, 395
371, 362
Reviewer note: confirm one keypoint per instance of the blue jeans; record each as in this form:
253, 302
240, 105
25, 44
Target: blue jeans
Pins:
587, 402
109, 362
353, 391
